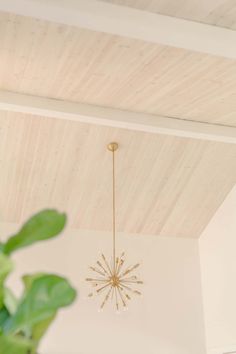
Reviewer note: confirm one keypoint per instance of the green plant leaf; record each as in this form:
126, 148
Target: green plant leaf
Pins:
42, 226
6, 266
41, 328
10, 301
1, 247
28, 280
14, 345
44, 297
4, 315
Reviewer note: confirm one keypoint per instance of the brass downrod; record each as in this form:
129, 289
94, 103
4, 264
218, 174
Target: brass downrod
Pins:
113, 147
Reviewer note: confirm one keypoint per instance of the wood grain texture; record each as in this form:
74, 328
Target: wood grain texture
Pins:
166, 186
214, 12
51, 60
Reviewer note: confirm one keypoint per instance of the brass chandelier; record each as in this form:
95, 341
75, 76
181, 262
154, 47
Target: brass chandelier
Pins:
113, 280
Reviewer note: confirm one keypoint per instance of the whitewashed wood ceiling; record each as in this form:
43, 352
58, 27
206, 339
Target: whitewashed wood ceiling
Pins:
214, 12
167, 186
51, 60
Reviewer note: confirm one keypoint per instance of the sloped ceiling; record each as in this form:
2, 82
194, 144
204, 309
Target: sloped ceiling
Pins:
167, 186
213, 12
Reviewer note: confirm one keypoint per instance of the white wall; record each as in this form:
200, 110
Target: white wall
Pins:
218, 263
168, 319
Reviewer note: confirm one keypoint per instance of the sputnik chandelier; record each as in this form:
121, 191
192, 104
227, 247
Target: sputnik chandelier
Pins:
112, 280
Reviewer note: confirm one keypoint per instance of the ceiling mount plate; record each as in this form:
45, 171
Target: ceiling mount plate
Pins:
112, 146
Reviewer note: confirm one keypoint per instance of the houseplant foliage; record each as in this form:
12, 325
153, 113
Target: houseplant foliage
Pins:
24, 321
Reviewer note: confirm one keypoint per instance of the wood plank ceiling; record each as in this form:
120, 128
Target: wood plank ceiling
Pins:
213, 12
51, 60
167, 186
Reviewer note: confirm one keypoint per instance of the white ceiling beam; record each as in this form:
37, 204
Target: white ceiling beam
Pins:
129, 22
47, 107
